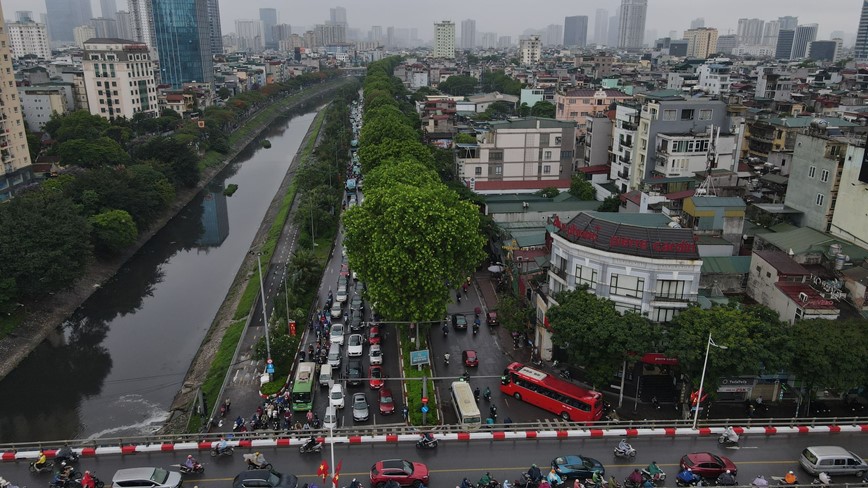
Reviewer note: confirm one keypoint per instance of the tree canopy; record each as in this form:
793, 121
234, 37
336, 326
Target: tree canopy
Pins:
459, 85
838, 352
582, 189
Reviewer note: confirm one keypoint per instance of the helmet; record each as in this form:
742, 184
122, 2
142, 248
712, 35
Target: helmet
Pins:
189, 456
728, 471
256, 453
533, 465
87, 472
688, 469
790, 472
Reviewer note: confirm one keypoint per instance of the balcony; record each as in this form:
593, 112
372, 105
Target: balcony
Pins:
624, 174
629, 126
624, 159
626, 143
561, 273
681, 298
762, 138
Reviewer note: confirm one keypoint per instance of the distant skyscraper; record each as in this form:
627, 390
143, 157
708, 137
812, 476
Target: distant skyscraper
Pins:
504, 41
784, 46
824, 50
376, 33
83, 33
576, 31
183, 37
489, 40
531, 50
725, 44
805, 34
143, 22
750, 31
632, 23
64, 15
268, 16
215, 40
861, 52
105, 28
697, 23
770, 33
554, 35
108, 8
281, 32
338, 15
601, 26
468, 34
250, 35
788, 22
391, 40
125, 25
444, 39
613, 33
701, 42
24, 16
28, 38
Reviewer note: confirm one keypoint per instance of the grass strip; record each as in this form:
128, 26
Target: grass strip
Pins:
414, 381
219, 366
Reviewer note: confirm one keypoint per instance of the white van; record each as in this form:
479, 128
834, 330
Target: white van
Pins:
330, 420
334, 358
325, 375
832, 460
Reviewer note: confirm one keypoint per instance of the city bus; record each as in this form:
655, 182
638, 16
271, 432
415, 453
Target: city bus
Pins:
543, 390
303, 387
465, 406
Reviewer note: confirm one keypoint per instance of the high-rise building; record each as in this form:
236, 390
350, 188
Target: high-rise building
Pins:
788, 22
330, 34
504, 41
105, 28
183, 38
861, 52
83, 33
65, 15
28, 38
24, 16
553, 35
824, 50
125, 24
725, 44
108, 8
750, 31
14, 155
784, 45
281, 32
770, 33
489, 40
391, 40
531, 50
701, 42
805, 34
613, 34
468, 34
376, 33
128, 68
576, 31
142, 15
697, 23
215, 39
250, 35
632, 23
601, 26
444, 39
268, 16
338, 15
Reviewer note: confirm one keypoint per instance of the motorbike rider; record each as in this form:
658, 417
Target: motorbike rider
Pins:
222, 445
64, 454
726, 479
635, 478
578, 484
790, 478
355, 484
485, 480
87, 480
446, 356
688, 477
476, 393
729, 434
759, 482
310, 443
190, 463
40, 462
653, 470
258, 460
465, 483
597, 479
59, 480
487, 393
427, 439
534, 474
824, 478
554, 478
624, 446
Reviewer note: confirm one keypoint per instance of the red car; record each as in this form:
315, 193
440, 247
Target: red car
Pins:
387, 403
469, 358
374, 334
403, 472
375, 373
707, 465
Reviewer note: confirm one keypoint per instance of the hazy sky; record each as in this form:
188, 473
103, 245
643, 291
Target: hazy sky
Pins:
511, 17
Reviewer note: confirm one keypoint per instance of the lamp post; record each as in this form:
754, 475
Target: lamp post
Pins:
264, 313
702, 379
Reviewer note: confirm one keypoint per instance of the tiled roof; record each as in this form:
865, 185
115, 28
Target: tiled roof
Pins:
783, 263
590, 92
815, 300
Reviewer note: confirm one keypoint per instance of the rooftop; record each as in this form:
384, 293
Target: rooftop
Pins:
804, 240
726, 264
514, 203
500, 185
719, 202
815, 301
532, 123
802, 122
590, 92
783, 263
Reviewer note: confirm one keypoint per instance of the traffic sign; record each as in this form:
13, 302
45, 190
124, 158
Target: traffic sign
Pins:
425, 408
419, 358
424, 399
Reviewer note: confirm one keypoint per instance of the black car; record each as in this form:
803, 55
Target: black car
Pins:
356, 324
262, 478
354, 373
459, 322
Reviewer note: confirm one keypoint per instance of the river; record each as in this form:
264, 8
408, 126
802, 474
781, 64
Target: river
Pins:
113, 368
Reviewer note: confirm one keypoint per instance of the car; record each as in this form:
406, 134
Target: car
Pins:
401, 471
387, 402
374, 335
345, 269
146, 477
263, 478
337, 309
356, 324
330, 419
359, 287
354, 372
491, 319
341, 295
574, 466
375, 373
707, 465
355, 345
361, 412
459, 322
336, 396
336, 335
375, 354
356, 302
469, 358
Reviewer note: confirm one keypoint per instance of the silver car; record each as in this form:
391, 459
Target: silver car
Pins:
146, 477
361, 411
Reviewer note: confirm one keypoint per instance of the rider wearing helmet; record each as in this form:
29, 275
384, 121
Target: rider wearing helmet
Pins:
87, 480
190, 463
635, 478
534, 473
790, 478
726, 479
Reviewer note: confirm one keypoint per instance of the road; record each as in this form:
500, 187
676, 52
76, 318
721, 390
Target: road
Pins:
451, 461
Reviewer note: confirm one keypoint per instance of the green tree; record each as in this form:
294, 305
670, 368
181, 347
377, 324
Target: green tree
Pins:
523, 110
386, 122
373, 155
113, 231
582, 189
499, 109
549, 192
611, 203
423, 92
834, 353
513, 314
498, 81
224, 93
595, 335
8, 295
459, 85
303, 270
404, 171
102, 151
34, 145
76, 125
464, 138
543, 109
176, 160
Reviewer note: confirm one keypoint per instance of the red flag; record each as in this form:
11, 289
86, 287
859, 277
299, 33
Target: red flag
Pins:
323, 471
337, 475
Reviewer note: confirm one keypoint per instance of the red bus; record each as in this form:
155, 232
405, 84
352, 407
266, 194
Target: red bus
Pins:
571, 402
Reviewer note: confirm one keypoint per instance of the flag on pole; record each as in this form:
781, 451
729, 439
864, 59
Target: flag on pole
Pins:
323, 471
337, 476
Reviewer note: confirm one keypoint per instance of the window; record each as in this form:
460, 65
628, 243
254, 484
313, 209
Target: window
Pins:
586, 276
824, 176
547, 155
557, 140
820, 199
705, 114
669, 114
812, 172
687, 114
671, 289
495, 155
574, 114
547, 169
664, 314
626, 285
544, 139
498, 169
477, 171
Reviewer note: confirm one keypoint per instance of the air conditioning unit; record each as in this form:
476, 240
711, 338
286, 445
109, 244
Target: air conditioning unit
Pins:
803, 297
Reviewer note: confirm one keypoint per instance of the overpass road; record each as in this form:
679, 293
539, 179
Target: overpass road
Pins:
451, 461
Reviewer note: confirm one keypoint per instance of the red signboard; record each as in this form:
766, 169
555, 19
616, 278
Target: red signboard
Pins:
658, 358
592, 235
292, 327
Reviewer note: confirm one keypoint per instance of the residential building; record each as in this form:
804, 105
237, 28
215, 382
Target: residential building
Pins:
268, 17
553, 35
601, 26
721, 217
773, 85
701, 42
105, 28
14, 154
784, 45
338, 15
578, 104
125, 25
183, 37
142, 15
598, 140
725, 44
281, 32
489, 40
438, 119
520, 154
824, 50
531, 50
250, 35
714, 78
576, 31
215, 34
685, 154
504, 42
108, 8
750, 31
861, 51
28, 38
770, 33
468, 34
83, 33
39, 103
631, 31
531, 96
63, 16
330, 34
780, 283
804, 35
119, 78
678, 48
624, 129
602, 65
849, 220
376, 34
444, 40
815, 177
697, 23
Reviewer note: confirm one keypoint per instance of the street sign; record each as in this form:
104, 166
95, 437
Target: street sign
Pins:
425, 409
424, 399
419, 358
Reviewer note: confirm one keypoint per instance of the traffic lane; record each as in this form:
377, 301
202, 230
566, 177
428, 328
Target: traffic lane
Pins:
451, 461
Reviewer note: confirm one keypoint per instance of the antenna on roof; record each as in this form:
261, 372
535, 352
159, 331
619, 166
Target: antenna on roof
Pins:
707, 185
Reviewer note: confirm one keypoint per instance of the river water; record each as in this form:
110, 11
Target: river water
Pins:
114, 367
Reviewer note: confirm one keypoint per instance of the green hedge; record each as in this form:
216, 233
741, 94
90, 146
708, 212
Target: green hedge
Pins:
414, 386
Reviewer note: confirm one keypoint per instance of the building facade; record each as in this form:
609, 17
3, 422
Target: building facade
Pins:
780, 283
849, 220
183, 38
39, 103
714, 78
631, 25
119, 78
468, 34
784, 44
804, 35
581, 103
623, 154
142, 15
14, 153
750, 31
531, 50
251, 37
215, 36
601, 26
815, 178
576, 31
827, 51
861, 51
268, 17
63, 16
444, 40
701, 42
28, 38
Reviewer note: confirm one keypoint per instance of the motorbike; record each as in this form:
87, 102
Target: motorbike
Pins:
657, 478
723, 482
565, 374
217, 452
487, 394
475, 328
48, 467
823, 480
307, 448
198, 468
524, 481
491, 484
426, 444
625, 451
446, 359
445, 331
67, 457
239, 425
729, 437
759, 482
97, 483
492, 412
252, 465
697, 481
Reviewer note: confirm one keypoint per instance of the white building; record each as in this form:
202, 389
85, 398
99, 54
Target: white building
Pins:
783, 285
28, 38
14, 155
849, 221
39, 103
714, 78
623, 145
250, 35
685, 154
119, 78
531, 51
82, 33
444, 40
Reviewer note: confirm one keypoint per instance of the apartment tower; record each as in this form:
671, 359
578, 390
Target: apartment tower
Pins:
632, 23
14, 155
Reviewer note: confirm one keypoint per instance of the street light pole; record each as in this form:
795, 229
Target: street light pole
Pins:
264, 313
332, 447
702, 379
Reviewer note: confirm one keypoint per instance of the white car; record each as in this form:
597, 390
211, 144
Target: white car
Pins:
375, 354
330, 419
336, 396
337, 309
354, 345
336, 336
341, 296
